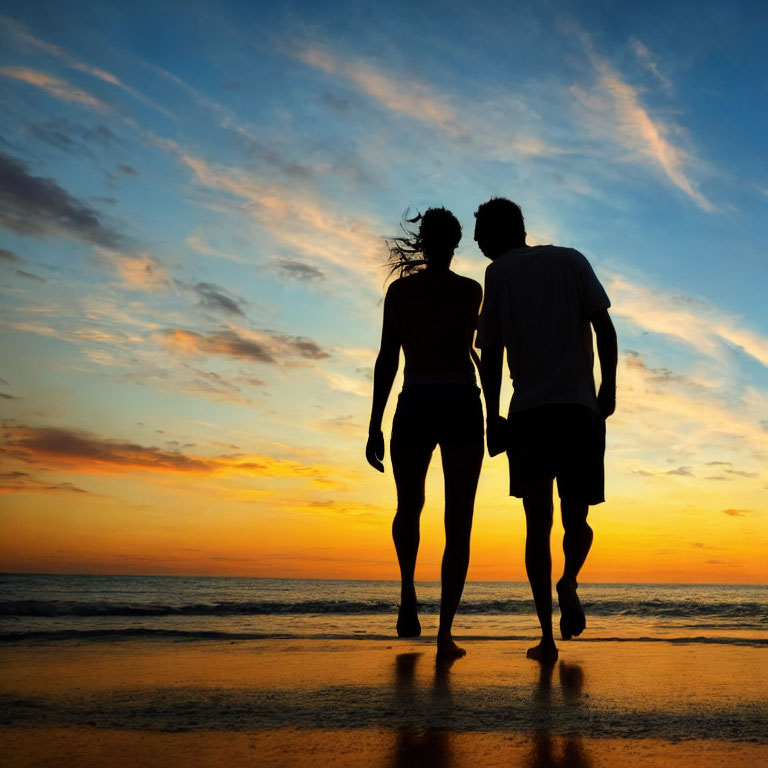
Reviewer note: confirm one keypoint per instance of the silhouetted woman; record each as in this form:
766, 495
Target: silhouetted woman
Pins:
431, 313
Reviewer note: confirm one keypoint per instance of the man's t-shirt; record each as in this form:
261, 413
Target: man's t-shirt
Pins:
537, 303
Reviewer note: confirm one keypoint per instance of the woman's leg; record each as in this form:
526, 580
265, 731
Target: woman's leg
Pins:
409, 466
461, 470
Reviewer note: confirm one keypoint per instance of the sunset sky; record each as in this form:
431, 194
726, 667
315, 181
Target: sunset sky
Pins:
193, 198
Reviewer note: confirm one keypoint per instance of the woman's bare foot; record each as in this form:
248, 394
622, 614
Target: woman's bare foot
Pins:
572, 619
408, 624
447, 648
545, 652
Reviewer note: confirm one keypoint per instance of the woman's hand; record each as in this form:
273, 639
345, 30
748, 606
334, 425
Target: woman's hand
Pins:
496, 435
374, 450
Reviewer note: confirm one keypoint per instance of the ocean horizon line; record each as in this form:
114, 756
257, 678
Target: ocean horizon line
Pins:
4, 574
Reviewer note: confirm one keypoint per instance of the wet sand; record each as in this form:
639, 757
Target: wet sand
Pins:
374, 703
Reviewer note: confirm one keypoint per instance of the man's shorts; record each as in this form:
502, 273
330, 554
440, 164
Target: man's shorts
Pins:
428, 415
559, 440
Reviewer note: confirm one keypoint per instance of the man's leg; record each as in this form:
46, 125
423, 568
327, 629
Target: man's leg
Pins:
577, 541
409, 466
461, 470
537, 502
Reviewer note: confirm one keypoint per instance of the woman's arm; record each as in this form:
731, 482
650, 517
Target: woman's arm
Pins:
384, 374
489, 366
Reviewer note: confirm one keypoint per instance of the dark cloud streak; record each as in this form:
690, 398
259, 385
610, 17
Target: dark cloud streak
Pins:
9, 257
269, 347
215, 297
73, 138
28, 444
23, 482
299, 270
30, 276
37, 206
737, 512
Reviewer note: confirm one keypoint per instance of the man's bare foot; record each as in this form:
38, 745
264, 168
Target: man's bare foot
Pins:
408, 624
572, 619
447, 648
545, 652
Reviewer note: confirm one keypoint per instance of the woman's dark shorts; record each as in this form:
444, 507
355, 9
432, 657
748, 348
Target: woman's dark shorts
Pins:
559, 440
430, 415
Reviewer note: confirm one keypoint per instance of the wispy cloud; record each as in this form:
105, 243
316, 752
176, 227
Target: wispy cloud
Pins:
22, 35
678, 471
674, 416
30, 276
491, 128
249, 136
83, 452
73, 446
197, 244
213, 385
9, 257
77, 335
299, 270
352, 385
33, 205
297, 220
703, 326
613, 109
347, 424
738, 512
406, 95
648, 60
61, 89
37, 206
140, 271
24, 482
260, 346
73, 138
218, 299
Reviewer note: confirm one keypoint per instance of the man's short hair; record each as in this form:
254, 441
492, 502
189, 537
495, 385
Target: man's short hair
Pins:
501, 213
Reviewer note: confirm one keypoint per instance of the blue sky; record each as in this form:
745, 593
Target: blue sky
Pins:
194, 199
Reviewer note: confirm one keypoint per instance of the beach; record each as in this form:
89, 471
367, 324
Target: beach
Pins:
378, 703
159, 671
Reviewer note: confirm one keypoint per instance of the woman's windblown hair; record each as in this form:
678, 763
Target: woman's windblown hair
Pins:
432, 245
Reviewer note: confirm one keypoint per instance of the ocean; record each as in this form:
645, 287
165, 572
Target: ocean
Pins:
58, 608
285, 661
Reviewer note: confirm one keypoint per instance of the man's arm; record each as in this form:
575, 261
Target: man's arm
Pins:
608, 352
384, 373
490, 341
490, 379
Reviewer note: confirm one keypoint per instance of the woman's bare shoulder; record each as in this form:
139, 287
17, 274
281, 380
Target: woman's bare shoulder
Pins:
396, 286
468, 284
405, 283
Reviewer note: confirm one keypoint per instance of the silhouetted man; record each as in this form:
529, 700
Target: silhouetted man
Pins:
541, 303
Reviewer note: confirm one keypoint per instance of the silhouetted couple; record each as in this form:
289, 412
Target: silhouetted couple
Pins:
540, 304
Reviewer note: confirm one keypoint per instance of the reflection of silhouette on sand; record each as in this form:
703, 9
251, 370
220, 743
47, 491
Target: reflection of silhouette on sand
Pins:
548, 751
419, 745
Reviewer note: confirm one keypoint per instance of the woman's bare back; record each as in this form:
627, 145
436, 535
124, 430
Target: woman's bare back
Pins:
437, 314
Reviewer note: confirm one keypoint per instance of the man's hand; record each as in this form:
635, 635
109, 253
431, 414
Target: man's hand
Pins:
606, 399
496, 435
374, 450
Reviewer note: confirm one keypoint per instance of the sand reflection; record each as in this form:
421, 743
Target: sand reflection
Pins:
428, 717
555, 751
418, 744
